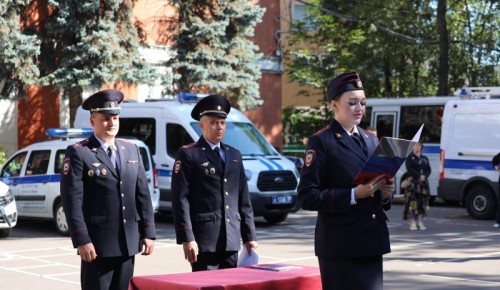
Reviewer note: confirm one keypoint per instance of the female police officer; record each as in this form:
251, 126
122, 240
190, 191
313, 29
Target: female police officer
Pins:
351, 231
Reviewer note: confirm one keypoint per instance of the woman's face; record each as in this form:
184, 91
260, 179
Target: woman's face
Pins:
417, 149
349, 108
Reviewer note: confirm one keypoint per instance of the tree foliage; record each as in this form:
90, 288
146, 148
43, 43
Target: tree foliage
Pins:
213, 52
88, 44
19, 49
395, 45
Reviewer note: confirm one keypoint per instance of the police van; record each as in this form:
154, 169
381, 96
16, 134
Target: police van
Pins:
33, 175
166, 125
470, 137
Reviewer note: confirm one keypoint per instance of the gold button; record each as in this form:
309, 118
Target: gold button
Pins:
225, 179
123, 208
227, 193
227, 206
121, 182
123, 195
227, 220
374, 216
124, 221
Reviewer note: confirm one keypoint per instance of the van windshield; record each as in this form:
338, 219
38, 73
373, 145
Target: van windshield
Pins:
244, 137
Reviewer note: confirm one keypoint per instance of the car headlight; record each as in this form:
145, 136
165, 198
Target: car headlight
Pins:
9, 197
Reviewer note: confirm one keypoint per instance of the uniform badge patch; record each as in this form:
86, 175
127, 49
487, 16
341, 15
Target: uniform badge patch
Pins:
104, 172
90, 173
309, 157
212, 170
177, 167
66, 166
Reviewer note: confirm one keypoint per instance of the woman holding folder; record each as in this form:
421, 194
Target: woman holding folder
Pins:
351, 231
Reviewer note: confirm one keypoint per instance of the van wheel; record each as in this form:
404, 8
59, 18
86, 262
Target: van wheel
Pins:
60, 220
4, 233
276, 218
481, 204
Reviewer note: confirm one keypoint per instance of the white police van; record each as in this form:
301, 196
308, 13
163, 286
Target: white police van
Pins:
8, 210
33, 175
166, 125
470, 137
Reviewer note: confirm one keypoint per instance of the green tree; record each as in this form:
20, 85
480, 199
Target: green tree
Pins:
213, 52
19, 50
401, 48
89, 44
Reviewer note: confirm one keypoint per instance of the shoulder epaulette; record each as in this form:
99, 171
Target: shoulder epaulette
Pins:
81, 143
189, 145
322, 130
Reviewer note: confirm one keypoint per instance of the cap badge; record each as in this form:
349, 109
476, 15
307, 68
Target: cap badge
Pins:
112, 105
359, 84
219, 108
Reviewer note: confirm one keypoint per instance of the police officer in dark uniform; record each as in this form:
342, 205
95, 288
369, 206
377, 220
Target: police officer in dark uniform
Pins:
210, 200
351, 231
106, 199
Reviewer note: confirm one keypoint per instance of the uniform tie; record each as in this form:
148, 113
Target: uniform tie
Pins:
217, 151
355, 136
112, 156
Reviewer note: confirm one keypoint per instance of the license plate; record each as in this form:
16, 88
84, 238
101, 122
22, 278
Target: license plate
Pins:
282, 199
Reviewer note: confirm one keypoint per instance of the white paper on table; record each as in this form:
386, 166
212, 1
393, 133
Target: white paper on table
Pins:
245, 259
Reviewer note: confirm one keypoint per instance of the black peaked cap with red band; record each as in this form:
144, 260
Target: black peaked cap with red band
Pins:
211, 105
348, 81
105, 101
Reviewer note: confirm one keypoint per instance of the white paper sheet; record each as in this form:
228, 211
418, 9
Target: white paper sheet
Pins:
245, 259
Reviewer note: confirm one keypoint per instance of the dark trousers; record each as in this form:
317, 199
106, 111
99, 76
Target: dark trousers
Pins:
360, 273
112, 273
215, 261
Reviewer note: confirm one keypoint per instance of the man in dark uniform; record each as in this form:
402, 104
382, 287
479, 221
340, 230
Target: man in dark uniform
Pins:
351, 231
210, 199
106, 199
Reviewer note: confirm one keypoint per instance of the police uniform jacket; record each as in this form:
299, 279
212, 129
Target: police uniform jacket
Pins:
109, 209
210, 205
332, 160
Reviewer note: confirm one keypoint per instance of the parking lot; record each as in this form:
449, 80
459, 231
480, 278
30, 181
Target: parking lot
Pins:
456, 252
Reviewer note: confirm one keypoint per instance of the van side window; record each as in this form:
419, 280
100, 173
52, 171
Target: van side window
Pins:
412, 118
13, 168
144, 157
59, 161
38, 162
177, 136
140, 128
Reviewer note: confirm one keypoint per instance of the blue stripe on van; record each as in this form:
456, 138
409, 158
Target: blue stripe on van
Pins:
265, 162
274, 163
164, 173
467, 164
431, 149
33, 179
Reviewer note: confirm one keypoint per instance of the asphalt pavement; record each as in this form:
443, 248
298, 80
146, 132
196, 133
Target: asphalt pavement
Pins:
455, 252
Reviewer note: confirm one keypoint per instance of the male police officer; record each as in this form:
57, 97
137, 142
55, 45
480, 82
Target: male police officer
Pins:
210, 199
106, 199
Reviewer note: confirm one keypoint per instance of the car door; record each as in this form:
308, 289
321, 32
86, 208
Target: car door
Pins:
34, 185
11, 172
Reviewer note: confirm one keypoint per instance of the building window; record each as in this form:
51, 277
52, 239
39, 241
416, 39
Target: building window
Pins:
300, 14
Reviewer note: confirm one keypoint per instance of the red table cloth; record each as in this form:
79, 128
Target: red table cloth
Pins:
304, 278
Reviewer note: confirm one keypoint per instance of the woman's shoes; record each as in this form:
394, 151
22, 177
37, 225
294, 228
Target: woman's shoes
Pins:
420, 223
413, 225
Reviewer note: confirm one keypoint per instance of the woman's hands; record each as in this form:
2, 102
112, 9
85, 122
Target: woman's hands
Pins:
378, 183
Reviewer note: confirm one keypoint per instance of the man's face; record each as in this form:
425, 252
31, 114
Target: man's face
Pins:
105, 126
213, 128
